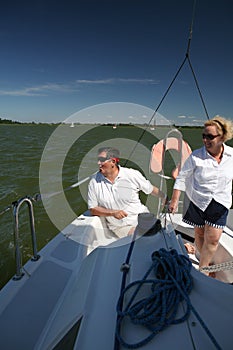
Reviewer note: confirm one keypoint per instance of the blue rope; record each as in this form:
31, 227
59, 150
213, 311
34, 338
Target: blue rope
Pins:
172, 284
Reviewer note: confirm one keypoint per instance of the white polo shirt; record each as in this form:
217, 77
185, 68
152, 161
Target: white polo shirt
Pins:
204, 179
123, 194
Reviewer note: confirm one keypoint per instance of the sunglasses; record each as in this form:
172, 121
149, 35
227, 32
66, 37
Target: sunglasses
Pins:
102, 159
209, 136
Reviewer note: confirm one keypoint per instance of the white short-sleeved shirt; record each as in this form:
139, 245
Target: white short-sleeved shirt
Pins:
204, 179
123, 194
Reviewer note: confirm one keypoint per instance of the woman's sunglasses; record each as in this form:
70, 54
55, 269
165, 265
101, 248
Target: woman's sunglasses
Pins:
209, 136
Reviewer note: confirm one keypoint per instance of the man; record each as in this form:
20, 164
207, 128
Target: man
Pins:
114, 193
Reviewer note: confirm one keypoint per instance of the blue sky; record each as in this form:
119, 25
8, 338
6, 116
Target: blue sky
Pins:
58, 57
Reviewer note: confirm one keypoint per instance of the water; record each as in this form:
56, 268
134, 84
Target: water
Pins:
22, 147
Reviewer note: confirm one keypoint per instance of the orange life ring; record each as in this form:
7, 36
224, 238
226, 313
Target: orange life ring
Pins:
158, 154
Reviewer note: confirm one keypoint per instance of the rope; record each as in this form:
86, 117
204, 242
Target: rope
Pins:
171, 285
217, 267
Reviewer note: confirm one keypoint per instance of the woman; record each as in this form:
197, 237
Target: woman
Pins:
206, 177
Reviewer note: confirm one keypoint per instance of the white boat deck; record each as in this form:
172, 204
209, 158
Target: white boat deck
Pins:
73, 286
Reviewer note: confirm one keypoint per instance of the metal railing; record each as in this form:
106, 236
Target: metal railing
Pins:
16, 206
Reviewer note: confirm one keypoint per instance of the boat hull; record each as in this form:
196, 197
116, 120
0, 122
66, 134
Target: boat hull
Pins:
70, 295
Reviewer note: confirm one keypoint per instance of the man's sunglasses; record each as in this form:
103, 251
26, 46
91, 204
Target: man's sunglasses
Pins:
102, 159
209, 136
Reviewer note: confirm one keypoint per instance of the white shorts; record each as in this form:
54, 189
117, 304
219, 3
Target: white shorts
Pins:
124, 231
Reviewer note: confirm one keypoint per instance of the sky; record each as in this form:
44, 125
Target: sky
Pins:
60, 57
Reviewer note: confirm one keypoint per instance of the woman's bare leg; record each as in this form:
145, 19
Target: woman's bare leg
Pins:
199, 237
210, 244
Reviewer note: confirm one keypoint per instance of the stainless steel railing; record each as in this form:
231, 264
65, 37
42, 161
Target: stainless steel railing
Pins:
18, 258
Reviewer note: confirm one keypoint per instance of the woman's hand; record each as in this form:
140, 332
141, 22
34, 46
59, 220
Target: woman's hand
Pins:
172, 207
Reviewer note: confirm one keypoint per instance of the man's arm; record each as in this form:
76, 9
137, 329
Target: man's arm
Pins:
156, 192
100, 211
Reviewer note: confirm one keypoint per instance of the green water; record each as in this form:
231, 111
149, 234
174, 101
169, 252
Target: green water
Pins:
21, 150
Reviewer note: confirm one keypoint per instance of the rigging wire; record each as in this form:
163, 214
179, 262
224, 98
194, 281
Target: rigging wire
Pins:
198, 88
38, 197
191, 26
187, 58
5, 210
189, 61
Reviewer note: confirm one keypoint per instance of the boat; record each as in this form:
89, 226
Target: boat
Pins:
87, 289
70, 292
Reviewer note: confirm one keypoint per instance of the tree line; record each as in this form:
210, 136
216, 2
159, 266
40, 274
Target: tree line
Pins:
8, 121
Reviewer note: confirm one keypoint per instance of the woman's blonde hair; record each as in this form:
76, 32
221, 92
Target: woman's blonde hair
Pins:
224, 126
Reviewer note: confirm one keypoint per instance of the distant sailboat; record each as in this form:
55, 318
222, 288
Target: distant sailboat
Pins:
114, 126
72, 125
153, 126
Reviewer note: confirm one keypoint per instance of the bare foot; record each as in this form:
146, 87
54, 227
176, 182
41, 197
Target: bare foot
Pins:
208, 273
212, 274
